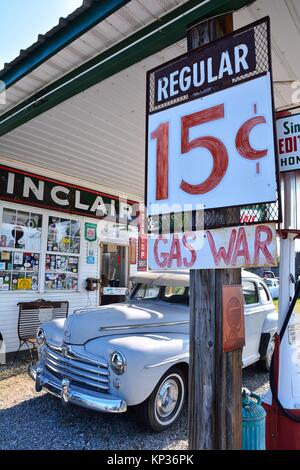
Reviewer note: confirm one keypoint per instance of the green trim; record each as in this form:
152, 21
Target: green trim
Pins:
46, 47
89, 226
152, 39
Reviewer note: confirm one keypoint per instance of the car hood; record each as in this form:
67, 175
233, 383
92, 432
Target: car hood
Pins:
122, 318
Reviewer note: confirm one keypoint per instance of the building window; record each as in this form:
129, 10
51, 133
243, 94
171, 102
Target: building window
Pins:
62, 257
20, 246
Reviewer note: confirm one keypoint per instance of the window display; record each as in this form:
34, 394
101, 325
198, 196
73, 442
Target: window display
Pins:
21, 256
62, 258
63, 235
61, 281
19, 271
20, 245
21, 230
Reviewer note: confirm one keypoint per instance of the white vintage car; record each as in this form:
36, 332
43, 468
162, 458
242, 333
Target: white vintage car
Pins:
273, 286
136, 353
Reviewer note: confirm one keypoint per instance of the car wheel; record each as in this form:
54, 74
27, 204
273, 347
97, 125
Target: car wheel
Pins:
265, 364
165, 404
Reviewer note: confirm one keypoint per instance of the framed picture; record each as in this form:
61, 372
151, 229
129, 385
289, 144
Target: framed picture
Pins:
90, 232
5, 256
233, 327
18, 258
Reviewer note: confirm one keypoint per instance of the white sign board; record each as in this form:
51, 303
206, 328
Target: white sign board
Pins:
288, 134
115, 290
215, 151
232, 247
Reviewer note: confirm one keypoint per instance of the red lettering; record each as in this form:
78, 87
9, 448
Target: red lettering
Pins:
161, 263
261, 245
161, 134
242, 140
214, 145
281, 146
189, 264
288, 144
175, 252
222, 251
241, 248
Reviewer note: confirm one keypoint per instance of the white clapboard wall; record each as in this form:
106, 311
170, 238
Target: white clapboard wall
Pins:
9, 309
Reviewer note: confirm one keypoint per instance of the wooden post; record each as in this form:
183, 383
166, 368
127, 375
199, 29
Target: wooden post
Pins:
214, 377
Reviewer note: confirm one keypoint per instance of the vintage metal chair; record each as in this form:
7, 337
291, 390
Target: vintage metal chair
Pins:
33, 314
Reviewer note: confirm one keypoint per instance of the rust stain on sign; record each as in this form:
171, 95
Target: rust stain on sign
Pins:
233, 326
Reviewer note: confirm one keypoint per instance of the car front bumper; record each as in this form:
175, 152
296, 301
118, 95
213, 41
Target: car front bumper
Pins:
69, 393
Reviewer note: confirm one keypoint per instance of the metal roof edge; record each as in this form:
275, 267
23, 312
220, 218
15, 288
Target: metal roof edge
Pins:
168, 30
66, 31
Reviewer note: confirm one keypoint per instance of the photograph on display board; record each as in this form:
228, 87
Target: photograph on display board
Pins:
4, 280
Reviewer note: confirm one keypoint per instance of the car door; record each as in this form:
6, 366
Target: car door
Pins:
255, 314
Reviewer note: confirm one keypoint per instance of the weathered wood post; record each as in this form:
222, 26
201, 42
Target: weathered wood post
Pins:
214, 377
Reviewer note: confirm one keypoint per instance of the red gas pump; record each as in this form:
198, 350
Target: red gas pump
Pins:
282, 403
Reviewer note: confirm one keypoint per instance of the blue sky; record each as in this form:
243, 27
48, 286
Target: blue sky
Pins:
21, 21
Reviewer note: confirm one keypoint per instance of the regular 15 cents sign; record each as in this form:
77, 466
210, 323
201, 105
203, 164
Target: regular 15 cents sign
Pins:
210, 127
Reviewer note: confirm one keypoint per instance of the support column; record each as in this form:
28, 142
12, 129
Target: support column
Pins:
214, 377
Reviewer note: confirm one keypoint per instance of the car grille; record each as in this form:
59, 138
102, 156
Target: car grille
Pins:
81, 371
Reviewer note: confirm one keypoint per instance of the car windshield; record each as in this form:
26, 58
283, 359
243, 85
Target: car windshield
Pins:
269, 282
180, 295
171, 294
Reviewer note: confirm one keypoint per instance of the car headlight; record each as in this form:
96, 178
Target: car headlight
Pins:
40, 337
118, 362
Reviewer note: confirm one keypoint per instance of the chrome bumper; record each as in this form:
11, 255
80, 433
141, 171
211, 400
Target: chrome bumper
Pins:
72, 394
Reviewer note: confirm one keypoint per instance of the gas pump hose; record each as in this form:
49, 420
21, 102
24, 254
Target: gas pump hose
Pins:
281, 334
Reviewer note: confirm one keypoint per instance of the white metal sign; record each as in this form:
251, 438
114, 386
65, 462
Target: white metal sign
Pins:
211, 249
215, 151
288, 134
115, 290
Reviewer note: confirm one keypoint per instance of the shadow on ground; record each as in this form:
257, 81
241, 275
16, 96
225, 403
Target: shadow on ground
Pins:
31, 421
43, 423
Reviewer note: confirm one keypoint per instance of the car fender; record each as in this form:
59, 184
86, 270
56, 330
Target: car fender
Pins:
268, 331
271, 322
148, 357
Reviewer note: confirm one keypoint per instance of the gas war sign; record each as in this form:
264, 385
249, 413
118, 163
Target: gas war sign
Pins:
211, 145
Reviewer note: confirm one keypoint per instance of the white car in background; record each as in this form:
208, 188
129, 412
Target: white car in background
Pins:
136, 353
273, 286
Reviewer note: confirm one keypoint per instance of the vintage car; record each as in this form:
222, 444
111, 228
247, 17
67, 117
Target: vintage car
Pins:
273, 286
136, 353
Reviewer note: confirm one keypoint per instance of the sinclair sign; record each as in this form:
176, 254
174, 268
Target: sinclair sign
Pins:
211, 145
288, 133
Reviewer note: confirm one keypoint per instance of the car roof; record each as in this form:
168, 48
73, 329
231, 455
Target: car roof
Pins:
174, 278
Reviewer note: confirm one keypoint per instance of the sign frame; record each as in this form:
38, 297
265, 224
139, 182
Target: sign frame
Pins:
233, 321
226, 248
90, 232
278, 154
74, 199
274, 214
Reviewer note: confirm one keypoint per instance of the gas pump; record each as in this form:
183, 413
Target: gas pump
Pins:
282, 402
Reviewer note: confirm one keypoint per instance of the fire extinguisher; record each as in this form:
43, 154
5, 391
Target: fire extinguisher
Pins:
282, 424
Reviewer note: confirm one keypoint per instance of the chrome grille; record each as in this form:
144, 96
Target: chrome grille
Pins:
81, 371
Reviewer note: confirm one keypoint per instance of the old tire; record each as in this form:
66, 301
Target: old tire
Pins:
164, 406
265, 363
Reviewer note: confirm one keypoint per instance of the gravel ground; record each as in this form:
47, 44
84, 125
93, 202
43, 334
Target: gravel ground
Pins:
38, 421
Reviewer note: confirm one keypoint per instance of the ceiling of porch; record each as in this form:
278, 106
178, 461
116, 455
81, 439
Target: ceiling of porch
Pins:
99, 134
